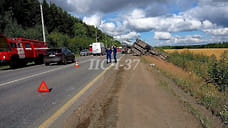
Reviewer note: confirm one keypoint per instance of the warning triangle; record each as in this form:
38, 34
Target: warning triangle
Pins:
43, 87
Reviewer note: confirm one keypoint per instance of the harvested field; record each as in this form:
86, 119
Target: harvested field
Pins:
207, 51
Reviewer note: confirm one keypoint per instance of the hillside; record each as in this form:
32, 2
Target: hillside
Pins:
22, 18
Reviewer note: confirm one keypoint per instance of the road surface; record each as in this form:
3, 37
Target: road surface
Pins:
22, 106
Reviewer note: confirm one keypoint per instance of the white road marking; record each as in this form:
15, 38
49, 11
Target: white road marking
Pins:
12, 70
10, 82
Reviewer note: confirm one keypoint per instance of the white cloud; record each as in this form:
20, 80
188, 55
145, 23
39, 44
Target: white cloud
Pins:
114, 29
119, 31
77, 5
207, 24
217, 31
137, 21
211, 10
196, 36
183, 40
162, 36
131, 35
209, 17
189, 39
104, 6
108, 27
94, 20
137, 13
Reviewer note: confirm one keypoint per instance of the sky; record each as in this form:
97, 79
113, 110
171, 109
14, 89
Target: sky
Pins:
157, 22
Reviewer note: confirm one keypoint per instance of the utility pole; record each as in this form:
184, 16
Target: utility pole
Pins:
42, 19
96, 34
105, 40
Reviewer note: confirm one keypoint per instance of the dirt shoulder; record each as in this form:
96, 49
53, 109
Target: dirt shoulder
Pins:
133, 98
144, 103
168, 73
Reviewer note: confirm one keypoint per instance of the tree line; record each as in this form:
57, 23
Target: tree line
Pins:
212, 45
22, 18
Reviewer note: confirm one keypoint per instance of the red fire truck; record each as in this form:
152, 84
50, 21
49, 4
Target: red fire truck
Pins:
19, 51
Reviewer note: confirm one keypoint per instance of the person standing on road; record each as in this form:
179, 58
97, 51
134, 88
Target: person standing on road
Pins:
114, 53
108, 53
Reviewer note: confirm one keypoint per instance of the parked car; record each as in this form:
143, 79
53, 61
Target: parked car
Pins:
84, 52
58, 55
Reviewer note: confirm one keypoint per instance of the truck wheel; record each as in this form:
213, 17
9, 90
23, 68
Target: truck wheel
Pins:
47, 63
39, 60
21, 63
14, 62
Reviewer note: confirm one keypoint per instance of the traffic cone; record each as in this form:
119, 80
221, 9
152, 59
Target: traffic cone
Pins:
43, 87
76, 64
101, 56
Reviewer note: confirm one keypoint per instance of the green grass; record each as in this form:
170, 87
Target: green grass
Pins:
204, 94
77, 55
7, 66
30, 63
163, 83
206, 123
4, 67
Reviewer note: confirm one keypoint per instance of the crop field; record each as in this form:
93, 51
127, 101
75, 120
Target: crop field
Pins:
205, 51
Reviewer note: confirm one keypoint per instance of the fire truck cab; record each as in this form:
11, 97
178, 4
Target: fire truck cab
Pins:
19, 51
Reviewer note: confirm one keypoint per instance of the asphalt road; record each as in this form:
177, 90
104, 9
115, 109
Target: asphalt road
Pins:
21, 106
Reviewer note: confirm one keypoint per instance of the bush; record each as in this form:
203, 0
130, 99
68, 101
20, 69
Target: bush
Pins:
208, 68
224, 114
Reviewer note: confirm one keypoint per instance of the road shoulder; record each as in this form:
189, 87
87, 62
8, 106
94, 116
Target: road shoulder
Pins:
132, 98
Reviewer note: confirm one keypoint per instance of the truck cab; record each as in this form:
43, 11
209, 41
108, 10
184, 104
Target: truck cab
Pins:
19, 51
5, 50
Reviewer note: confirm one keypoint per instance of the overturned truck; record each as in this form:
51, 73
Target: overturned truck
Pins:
141, 48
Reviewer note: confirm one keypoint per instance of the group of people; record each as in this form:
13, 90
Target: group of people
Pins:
109, 52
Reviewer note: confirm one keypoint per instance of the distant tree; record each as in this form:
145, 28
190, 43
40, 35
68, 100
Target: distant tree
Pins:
35, 33
79, 30
11, 28
58, 39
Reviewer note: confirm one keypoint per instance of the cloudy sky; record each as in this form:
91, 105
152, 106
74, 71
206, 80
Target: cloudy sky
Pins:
158, 22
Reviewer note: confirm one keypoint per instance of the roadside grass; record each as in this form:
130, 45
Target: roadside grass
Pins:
204, 93
77, 55
7, 66
4, 67
205, 122
164, 83
30, 63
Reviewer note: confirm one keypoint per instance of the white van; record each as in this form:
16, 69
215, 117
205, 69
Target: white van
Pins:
98, 48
